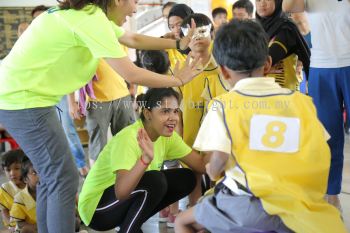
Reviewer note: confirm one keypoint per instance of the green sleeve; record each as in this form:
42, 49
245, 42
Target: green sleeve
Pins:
100, 36
176, 147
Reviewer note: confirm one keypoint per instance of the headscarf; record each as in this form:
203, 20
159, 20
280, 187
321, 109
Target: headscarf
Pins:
278, 21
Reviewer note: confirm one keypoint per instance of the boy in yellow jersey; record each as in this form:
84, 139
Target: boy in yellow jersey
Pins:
175, 18
207, 85
22, 213
11, 164
270, 144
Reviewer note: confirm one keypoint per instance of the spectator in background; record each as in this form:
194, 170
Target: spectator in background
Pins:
219, 16
21, 28
302, 23
243, 9
286, 46
329, 80
166, 8
38, 10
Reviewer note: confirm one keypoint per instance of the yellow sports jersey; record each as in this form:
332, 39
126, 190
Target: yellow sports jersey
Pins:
194, 102
110, 85
174, 57
285, 73
280, 146
7, 192
23, 208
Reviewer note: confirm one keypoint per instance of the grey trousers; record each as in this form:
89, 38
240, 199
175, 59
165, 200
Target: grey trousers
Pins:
226, 212
39, 133
100, 115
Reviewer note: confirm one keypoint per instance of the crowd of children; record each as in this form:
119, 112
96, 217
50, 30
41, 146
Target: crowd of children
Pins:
223, 102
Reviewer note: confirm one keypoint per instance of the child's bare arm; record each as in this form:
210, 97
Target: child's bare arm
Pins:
186, 223
5, 214
217, 164
27, 227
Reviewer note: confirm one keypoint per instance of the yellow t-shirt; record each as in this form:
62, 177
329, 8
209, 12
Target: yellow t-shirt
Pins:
195, 95
109, 85
174, 57
23, 208
57, 55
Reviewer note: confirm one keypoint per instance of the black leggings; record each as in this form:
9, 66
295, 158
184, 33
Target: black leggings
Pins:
155, 191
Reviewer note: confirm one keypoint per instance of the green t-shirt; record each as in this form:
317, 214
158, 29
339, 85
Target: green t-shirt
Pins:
121, 153
57, 55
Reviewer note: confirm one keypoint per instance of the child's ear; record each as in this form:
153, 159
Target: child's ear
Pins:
225, 72
267, 65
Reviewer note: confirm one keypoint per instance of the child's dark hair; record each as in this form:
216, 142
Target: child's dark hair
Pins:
26, 165
180, 10
246, 4
10, 157
241, 46
218, 10
154, 97
199, 19
155, 60
39, 8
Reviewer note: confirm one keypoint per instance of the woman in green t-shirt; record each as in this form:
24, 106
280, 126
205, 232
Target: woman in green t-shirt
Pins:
55, 56
125, 187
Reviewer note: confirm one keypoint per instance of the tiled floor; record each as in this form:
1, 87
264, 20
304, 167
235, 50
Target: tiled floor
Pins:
152, 226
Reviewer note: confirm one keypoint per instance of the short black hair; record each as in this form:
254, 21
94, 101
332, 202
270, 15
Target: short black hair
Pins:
246, 4
180, 10
241, 46
154, 97
168, 4
155, 60
218, 10
26, 165
10, 157
39, 8
199, 19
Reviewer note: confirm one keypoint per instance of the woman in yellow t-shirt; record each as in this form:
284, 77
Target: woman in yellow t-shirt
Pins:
41, 69
125, 187
287, 45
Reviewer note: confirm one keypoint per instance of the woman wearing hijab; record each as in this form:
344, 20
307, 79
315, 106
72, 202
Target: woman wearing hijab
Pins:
287, 45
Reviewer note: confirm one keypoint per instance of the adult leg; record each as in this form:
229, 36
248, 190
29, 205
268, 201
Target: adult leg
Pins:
71, 133
122, 115
97, 122
130, 214
327, 96
181, 182
40, 135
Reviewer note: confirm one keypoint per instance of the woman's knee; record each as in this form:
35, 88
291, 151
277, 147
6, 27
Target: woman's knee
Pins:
154, 181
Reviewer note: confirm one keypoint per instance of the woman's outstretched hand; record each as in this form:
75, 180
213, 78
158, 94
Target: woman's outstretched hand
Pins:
146, 146
188, 71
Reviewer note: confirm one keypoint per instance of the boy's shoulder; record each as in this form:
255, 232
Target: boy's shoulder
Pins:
10, 188
23, 197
